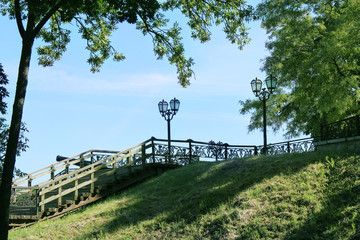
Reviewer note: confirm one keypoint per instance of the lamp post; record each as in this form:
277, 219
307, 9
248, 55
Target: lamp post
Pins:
263, 94
168, 114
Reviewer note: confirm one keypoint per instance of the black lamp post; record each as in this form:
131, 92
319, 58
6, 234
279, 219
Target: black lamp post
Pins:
263, 94
168, 114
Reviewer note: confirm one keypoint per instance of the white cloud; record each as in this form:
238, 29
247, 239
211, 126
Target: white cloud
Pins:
55, 80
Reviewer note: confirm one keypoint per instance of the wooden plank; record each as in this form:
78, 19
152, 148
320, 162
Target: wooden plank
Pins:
82, 175
77, 187
24, 217
67, 191
34, 174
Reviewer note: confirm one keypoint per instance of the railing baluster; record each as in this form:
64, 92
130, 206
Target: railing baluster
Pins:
52, 173
153, 149
190, 151
92, 185
76, 194
143, 155
60, 197
226, 151
288, 147
29, 180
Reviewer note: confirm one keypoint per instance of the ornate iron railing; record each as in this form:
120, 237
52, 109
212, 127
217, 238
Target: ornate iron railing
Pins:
195, 150
349, 127
293, 146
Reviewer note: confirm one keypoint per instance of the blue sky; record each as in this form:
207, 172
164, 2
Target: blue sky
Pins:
69, 110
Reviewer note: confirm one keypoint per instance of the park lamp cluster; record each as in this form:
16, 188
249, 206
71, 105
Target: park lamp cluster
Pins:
167, 113
259, 91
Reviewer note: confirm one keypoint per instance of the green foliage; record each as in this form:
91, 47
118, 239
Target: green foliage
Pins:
3, 92
314, 53
290, 196
98, 19
4, 128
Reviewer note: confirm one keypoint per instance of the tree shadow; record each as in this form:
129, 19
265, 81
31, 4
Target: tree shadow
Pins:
185, 194
341, 207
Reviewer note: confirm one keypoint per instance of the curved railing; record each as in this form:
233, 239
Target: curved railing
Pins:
86, 167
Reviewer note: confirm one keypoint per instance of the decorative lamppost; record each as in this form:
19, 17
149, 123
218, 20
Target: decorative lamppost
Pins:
168, 114
263, 94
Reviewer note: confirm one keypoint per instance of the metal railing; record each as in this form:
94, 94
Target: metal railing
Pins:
349, 127
293, 146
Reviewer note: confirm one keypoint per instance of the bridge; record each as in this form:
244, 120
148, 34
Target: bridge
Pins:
71, 183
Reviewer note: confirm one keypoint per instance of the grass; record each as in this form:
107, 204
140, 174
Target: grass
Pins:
296, 196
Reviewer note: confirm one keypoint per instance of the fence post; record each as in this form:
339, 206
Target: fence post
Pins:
81, 161
60, 197
67, 167
92, 184
153, 149
190, 151
52, 173
29, 181
288, 147
226, 151
37, 202
255, 151
76, 194
143, 154
92, 157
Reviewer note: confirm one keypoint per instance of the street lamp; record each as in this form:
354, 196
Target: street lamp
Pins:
263, 94
168, 114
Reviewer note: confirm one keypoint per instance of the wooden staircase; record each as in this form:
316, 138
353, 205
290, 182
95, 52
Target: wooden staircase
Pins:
70, 184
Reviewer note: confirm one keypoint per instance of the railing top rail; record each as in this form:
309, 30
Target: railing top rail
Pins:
291, 141
342, 120
198, 142
32, 174
126, 152
70, 160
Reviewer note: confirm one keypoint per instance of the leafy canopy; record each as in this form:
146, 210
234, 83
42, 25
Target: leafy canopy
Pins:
315, 54
98, 19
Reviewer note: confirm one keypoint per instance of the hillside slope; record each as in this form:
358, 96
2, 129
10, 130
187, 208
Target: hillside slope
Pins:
297, 196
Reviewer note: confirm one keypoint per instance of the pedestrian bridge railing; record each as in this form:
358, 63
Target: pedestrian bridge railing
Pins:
66, 183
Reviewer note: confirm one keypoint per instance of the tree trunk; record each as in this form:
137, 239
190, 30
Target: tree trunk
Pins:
10, 156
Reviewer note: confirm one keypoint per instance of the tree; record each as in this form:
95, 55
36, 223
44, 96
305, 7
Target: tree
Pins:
4, 128
96, 20
314, 52
22, 145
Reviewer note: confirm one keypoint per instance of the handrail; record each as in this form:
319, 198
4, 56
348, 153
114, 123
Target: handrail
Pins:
53, 167
348, 127
59, 182
198, 142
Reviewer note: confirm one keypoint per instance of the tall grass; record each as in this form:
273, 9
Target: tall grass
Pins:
297, 196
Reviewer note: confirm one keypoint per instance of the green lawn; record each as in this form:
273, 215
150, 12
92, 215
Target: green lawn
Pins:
297, 196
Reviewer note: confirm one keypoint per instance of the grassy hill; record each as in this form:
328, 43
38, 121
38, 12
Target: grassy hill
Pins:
297, 196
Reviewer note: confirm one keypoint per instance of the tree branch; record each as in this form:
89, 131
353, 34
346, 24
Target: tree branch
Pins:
18, 19
47, 16
338, 68
151, 31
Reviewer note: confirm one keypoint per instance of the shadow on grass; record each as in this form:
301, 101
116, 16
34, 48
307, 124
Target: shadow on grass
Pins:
340, 215
185, 194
